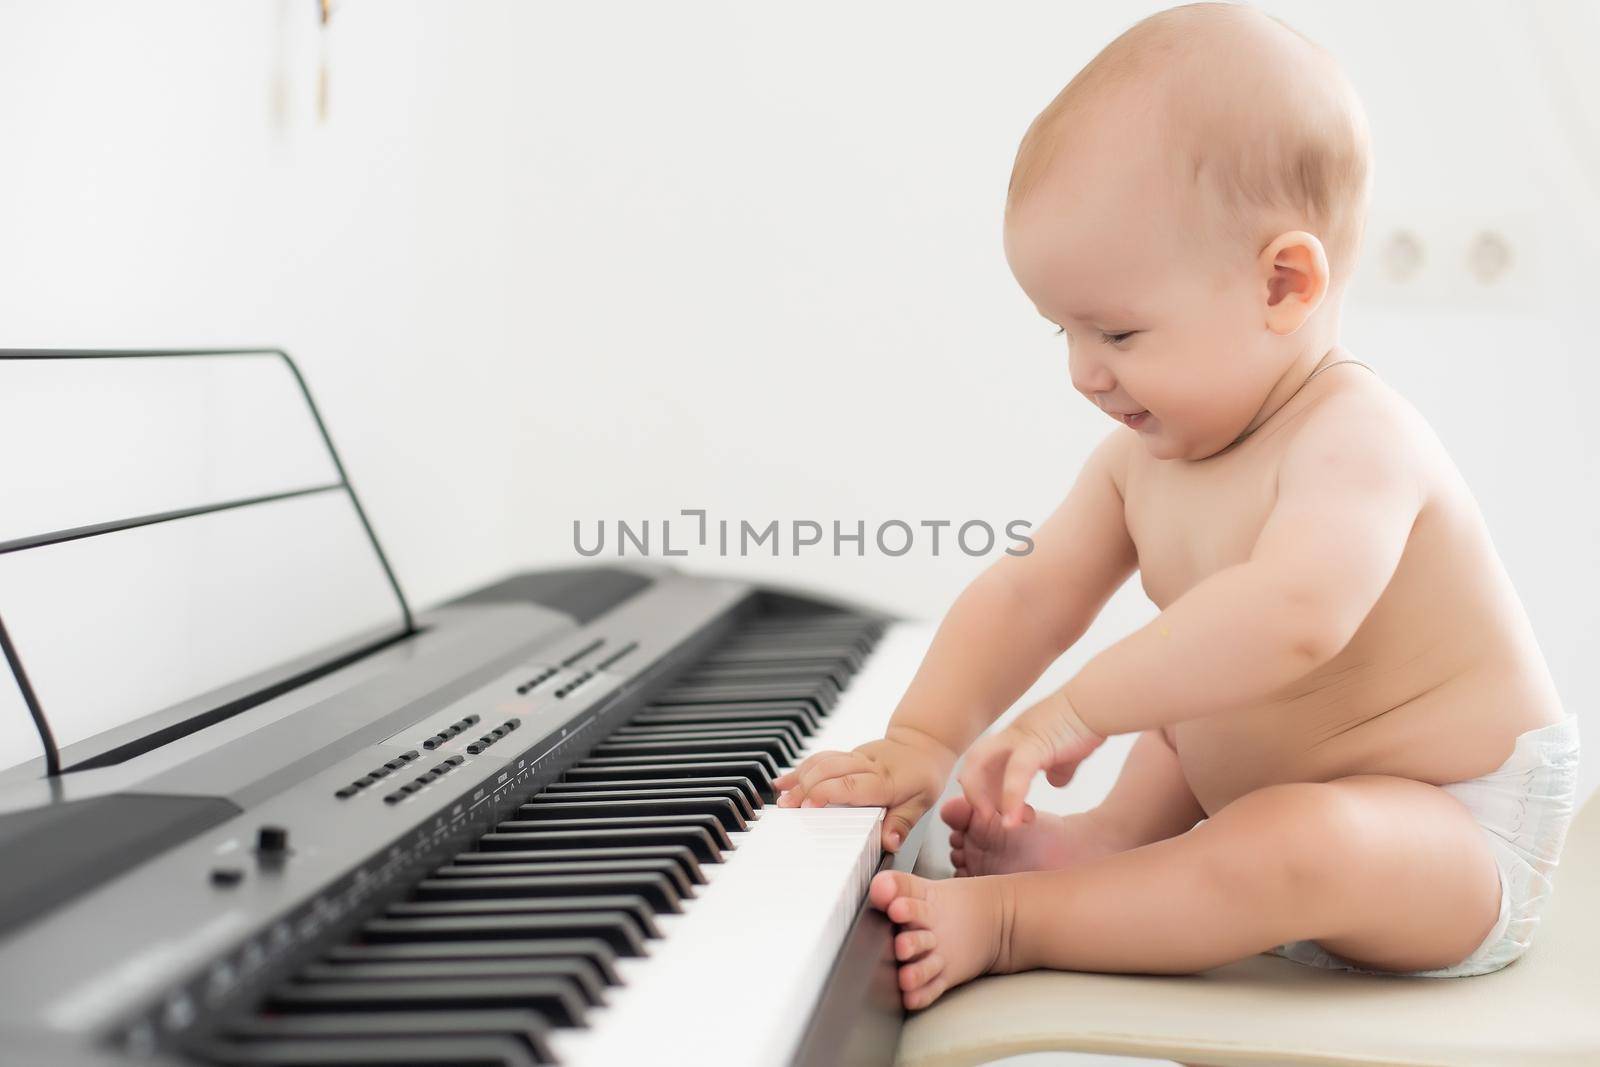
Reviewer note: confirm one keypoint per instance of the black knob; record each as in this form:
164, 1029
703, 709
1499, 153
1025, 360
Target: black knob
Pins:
226, 876
272, 839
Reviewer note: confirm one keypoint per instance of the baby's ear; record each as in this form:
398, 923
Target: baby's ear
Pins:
1294, 271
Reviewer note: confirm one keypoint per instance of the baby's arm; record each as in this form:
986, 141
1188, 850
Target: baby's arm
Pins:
1009, 624
1348, 494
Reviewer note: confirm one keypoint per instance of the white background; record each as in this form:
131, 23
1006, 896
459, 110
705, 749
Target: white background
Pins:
546, 262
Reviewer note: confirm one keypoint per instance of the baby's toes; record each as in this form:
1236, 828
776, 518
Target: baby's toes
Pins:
889, 885
922, 996
985, 831
910, 944
956, 813
958, 860
916, 975
908, 911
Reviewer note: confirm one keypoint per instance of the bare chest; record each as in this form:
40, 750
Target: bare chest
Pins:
1190, 520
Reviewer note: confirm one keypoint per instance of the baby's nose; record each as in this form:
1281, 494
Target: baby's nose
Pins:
1097, 386
1092, 378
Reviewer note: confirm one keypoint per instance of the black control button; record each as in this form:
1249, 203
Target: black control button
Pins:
347, 792
394, 798
409, 755
395, 764
226, 876
430, 743
512, 724
476, 747
381, 772
456, 761
411, 787
470, 719
272, 839
366, 780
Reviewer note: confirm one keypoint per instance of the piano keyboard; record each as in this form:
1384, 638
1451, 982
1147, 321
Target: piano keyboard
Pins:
652, 904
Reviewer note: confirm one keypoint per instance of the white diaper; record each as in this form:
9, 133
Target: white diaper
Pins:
1524, 806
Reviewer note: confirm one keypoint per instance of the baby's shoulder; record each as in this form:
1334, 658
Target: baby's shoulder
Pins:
1363, 419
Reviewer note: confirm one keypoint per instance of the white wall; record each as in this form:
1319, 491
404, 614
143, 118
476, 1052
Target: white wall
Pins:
552, 262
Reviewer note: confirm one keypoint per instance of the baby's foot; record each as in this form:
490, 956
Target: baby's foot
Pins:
980, 845
951, 930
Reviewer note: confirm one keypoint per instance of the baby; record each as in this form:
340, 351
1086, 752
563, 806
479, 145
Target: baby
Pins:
1349, 751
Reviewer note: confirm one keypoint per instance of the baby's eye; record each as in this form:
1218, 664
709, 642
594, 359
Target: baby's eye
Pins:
1116, 338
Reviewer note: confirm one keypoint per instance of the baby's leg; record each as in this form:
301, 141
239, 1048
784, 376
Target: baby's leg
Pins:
1388, 872
1150, 801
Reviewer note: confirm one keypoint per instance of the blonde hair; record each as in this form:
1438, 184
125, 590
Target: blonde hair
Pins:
1272, 130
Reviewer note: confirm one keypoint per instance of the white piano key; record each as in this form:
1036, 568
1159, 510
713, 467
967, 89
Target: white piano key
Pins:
735, 977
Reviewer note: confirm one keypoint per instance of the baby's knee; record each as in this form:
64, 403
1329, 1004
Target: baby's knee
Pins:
1292, 841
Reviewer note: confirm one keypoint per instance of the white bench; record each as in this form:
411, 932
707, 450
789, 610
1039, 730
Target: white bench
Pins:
1543, 1009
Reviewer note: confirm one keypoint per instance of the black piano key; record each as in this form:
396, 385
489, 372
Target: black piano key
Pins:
843, 658
527, 1028
732, 674
614, 928
776, 748
732, 794
619, 824
606, 870
840, 667
760, 758
820, 695
761, 630
744, 786
817, 645
682, 855
469, 1050
556, 999
531, 835
756, 728
805, 718
837, 667
576, 970
755, 773
630, 904
693, 837
597, 952
831, 620
480, 882
794, 740
559, 807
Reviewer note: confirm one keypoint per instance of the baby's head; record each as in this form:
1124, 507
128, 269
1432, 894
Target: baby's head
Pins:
1188, 210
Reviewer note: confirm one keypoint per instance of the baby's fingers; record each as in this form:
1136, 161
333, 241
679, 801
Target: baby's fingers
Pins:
860, 789
1020, 770
816, 769
792, 775
980, 776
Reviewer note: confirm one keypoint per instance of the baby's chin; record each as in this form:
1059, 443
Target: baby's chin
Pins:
1160, 444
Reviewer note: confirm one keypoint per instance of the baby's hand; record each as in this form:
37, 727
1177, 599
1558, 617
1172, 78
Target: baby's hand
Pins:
904, 772
1047, 737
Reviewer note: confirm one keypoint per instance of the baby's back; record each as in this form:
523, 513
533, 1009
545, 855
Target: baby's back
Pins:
1438, 680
